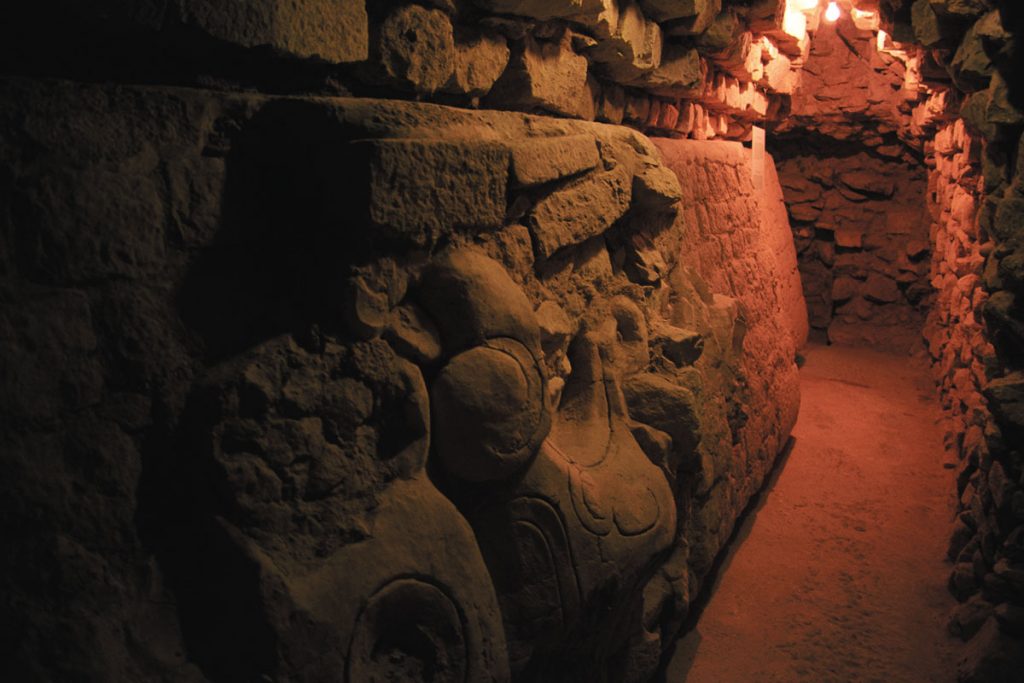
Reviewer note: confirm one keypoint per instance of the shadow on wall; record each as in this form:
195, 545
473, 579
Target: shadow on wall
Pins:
277, 265
291, 215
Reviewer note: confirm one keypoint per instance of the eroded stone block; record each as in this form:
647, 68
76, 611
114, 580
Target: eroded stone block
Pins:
419, 189
330, 30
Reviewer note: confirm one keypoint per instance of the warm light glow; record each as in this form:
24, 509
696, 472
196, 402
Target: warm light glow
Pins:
882, 37
805, 5
832, 13
795, 24
865, 21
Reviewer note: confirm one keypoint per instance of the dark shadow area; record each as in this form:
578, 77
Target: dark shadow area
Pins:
277, 265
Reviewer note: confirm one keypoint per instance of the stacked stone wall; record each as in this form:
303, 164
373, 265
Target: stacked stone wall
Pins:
373, 387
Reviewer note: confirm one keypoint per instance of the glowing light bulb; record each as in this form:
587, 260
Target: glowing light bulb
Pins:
832, 13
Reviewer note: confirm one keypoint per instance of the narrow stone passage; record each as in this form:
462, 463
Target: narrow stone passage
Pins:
839, 573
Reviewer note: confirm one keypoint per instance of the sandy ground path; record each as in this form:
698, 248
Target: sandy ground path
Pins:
839, 575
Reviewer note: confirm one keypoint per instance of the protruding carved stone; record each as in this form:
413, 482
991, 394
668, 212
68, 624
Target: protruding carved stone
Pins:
489, 411
417, 48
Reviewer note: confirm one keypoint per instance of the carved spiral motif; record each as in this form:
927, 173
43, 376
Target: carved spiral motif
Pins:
488, 409
410, 630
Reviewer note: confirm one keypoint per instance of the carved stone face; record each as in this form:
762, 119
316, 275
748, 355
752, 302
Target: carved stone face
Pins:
569, 517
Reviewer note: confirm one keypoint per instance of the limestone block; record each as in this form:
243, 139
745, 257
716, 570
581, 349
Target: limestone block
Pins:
971, 66
602, 21
849, 238
929, 30
543, 75
1000, 109
844, 288
961, 9
656, 187
666, 406
612, 104
632, 50
679, 345
334, 31
584, 209
685, 17
881, 289
723, 32
867, 183
417, 48
1006, 399
681, 72
541, 160
406, 201
480, 60
540, 9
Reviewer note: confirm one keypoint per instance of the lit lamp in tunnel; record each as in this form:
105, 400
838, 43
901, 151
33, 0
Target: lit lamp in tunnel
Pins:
832, 12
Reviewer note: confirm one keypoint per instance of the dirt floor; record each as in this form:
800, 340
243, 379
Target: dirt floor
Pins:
839, 574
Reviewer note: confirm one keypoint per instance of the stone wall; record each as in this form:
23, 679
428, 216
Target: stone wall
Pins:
851, 168
973, 329
298, 386
696, 68
862, 238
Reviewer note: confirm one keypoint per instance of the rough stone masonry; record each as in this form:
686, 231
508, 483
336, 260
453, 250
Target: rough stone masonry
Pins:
378, 341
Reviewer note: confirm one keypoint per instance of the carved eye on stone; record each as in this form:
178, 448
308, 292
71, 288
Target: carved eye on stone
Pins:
489, 413
410, 630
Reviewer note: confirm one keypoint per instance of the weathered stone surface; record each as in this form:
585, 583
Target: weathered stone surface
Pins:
668, 407
407, 202
542, 160
688, 17
929, 30
546, 75
1006, 398
656, 187
961, 8
473, 299
330, 30
634, 48
417, 48
991, 656
881, 289
583, 210
247, 362
489, 411
479, 61
681, 71
538, 9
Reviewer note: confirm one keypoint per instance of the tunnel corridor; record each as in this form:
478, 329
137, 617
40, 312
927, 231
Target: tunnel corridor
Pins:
512, 341
837, 573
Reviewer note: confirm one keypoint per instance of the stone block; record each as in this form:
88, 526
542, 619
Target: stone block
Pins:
581, 211
417, 48
881, 289
541, 160
681, 72
685, 17
407, 199
540, 9
633, 49
543, 75
480, 60
335, 31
